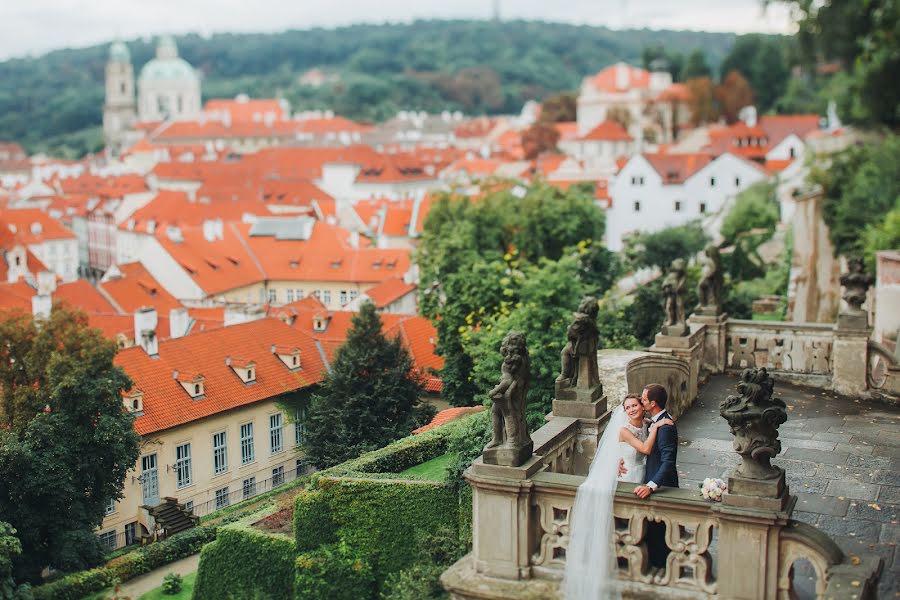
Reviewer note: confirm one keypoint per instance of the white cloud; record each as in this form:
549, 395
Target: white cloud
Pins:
37, 26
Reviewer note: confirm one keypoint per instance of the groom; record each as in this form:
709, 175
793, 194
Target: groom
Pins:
660, 470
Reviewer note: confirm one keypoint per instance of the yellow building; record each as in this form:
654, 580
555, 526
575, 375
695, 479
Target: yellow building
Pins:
211, 409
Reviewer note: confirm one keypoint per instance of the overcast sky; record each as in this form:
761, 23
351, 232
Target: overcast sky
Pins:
32, 27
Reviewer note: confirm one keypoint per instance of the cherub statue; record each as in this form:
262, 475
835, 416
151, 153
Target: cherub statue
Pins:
673, 292
709, 290
509, 396
579, 356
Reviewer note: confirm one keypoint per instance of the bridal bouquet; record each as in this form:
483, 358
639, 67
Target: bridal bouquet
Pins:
712, 489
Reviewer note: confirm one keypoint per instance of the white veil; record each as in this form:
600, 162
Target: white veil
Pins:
591, 555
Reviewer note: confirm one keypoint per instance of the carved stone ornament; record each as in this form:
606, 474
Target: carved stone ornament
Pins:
673, 295
579, 378
754, 416
709, 290
856, 284
510, 443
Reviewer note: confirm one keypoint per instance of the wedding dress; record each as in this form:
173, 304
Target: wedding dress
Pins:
591, 554
635, 462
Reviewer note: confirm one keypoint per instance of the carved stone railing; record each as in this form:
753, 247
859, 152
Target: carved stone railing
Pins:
797, 352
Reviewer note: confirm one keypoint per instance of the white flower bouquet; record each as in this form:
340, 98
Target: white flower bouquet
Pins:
712, 489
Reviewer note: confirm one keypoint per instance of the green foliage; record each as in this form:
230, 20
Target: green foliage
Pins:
421, 581
246, 563
172, 584
466, 443
862, 184
434, 469
61, 421
559, 108
739, 295
614, 324
313, 522
695, 66
883, 236
76, 586
334, 572
368, 399
9, 548
761, 60
660, 248
475, 66
186, 592
754, 208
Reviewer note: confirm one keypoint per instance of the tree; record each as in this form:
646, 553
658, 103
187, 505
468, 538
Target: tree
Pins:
559, 108
620, 115
701, 105
732, 95
754, 208
66, 440
696, 66
882, 236
660, 248
761, 60
10, 547
368, 399
538, 139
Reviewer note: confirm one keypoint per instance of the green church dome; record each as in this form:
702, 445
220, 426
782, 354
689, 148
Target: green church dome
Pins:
168, 69
118, 52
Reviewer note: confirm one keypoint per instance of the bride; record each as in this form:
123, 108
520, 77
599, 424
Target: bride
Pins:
591, 555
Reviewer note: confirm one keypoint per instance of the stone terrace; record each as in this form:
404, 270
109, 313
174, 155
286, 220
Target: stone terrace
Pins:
842, 458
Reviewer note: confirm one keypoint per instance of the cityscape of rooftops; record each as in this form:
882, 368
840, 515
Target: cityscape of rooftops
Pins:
492, 300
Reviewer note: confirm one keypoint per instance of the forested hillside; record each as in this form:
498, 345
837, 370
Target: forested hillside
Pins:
54, 102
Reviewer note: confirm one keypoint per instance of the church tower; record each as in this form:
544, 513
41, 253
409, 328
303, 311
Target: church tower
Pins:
119, 109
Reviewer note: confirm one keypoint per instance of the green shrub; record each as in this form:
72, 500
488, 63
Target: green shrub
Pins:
398, 456
313, 525
246, 563
333, 572
75, 586
419, 582
171, 584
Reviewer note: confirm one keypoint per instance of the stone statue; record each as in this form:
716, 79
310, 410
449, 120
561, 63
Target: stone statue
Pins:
754, 416
510, 443
856, 284
579, 378
673, 292
709, 290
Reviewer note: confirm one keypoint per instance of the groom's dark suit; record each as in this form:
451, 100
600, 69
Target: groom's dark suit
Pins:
661, 471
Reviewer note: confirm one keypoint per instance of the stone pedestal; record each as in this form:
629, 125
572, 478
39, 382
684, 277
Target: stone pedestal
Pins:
500, 509
715, 348
849, 355
690, 349
507, 455
577, 409
767, 494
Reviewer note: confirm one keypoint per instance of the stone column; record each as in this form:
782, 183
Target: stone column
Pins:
851, 333
689, 348
757, 505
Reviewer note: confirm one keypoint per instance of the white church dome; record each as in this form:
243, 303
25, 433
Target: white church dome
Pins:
167, 66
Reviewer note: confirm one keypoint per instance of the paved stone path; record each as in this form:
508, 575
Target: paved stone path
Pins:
842, 458
142, 584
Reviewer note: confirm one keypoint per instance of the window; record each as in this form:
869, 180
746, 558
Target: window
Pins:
793, 153
277, 476
290, 296
326, 297
131, 533
702, 208
249, 487
712, 182
354, 294
678, 206
276, 442
737, 182
189, 506
222, 497
108, 539
183, 465
317, 294
149, 480
247, 443
196, 389
110, 508
299, 425
299, 294
273, 296
220, 453
637, 206
301, 467
343, 298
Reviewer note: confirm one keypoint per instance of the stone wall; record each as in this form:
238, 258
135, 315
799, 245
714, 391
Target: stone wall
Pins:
816, 285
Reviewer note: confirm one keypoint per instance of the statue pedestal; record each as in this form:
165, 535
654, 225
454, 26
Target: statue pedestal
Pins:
765, 494
508, 456
850, 354
688, 348
715, 349
674, 331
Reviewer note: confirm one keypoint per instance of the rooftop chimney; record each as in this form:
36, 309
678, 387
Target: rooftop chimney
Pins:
46, 283
623, 77
145, 322
16, 263
179, 322
41, 306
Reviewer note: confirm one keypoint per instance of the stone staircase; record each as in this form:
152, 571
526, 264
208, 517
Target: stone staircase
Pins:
172, 517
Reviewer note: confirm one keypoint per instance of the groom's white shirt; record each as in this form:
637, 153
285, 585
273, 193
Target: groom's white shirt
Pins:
661, 414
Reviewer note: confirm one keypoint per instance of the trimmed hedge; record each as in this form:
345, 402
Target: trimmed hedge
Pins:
398, 456
137, 562
333, 572
246, 563
313, 524
378, 519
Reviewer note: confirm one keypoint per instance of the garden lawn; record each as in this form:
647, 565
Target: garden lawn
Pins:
434, 469
187, 589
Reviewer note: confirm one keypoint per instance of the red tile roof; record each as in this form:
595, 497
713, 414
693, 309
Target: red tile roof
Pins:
608, 131
676, 168
15, 296
167, 405
82, 295
136, 288
247, 109
336, 124
448, 415
607, 80
389, 291
33, 226
567, 130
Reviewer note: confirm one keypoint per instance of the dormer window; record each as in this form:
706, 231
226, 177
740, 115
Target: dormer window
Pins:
243, 368
134, 401
320, 322
193, 384
288, 355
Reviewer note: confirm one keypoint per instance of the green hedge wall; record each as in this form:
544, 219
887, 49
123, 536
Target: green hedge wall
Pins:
332, 572
398, 456
380, 519
246, 563
125, 567
313, 523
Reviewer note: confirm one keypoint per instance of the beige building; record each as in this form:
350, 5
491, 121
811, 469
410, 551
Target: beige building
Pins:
220, 414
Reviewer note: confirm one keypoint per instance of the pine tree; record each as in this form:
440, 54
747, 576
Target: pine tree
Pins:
368, 399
